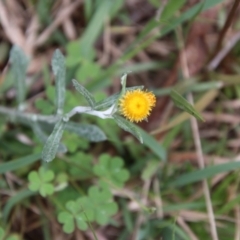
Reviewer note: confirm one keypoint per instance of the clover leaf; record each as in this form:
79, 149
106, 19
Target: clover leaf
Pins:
73, 142
40, 181
111, 170
76, 213
102, 204
72, 215
97, 206
81, 165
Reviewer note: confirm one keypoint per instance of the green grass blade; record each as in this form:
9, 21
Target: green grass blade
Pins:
170, 26
18, 163
94, 28
20, 196
171, 8
205, 173
153, 144
183, 104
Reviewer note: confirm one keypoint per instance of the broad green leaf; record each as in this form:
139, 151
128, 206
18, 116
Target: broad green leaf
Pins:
17, 198
88, 131
51, 147
205, 173
128, 126
81, 89
183, 104
59, 70
19, 163
42, 136
19, 63
153, 144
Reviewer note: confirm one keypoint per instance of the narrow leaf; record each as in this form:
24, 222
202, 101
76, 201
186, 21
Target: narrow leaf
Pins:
59, 70
108, 102
128, 126
205, 173
51, 147
19, 63
200, 105
171, 8
94, 27
153, 144
123, 83
81, 89
19, 163
17, 198
183, 104
42, 136
88, 131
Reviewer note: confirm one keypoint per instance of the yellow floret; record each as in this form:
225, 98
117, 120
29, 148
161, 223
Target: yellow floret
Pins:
136, 105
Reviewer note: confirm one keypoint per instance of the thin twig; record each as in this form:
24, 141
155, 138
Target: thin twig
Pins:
226, 26
140, 217
220, 56
158, 199
237, 224
68, 25
14, 34
186, 228
198, 146
62, 15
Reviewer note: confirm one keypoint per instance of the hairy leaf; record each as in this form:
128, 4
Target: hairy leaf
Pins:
51, 147
81, 89
88, 131
59, 70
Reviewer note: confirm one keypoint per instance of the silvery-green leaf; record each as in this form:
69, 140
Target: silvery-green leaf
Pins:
108, 102
183, 104
51, 146
59, 70
128, 126
88, 131
42, 136
123, 83
19, 63
81, 89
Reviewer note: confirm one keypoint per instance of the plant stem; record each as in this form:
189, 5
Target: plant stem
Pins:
17, 116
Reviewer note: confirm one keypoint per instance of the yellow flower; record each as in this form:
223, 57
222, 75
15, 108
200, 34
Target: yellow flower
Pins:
136, 105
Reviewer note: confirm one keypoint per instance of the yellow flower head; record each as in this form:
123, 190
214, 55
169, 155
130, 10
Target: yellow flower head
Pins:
136, 105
